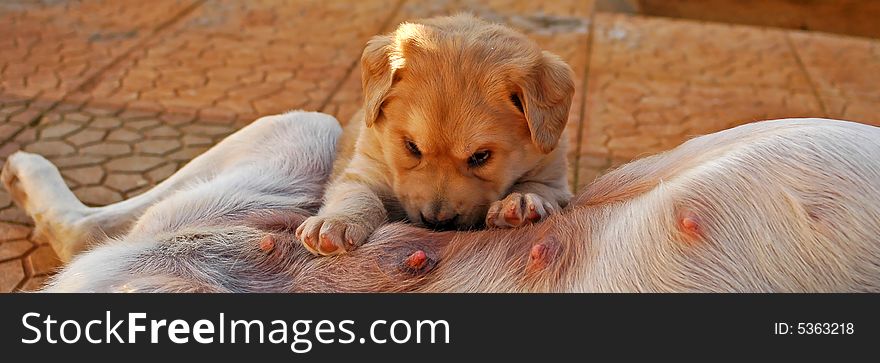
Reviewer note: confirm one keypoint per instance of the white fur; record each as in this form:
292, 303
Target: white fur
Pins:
787, 205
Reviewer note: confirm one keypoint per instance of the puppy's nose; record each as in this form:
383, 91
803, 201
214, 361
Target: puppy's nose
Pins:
439, 224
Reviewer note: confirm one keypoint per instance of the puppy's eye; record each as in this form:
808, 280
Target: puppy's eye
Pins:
516, 102
412, 148
479, 158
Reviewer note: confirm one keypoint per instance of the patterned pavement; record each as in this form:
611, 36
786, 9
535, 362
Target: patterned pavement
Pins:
120, 94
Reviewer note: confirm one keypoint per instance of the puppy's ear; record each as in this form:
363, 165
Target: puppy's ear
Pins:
546, 98
377, 75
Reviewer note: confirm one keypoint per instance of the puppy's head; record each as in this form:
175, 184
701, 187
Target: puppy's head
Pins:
462, 109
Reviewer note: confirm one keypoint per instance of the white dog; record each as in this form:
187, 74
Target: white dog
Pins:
786, 205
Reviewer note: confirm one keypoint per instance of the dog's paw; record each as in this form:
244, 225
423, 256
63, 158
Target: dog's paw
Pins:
518, 209
33, 182
331, 235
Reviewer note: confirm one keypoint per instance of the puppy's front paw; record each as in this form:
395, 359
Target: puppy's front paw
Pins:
518, 209
331, 235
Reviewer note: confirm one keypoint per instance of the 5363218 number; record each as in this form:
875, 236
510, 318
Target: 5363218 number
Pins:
813, 328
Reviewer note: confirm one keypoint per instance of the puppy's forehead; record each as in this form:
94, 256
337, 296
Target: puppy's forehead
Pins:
472, 65
473, 47
455, 78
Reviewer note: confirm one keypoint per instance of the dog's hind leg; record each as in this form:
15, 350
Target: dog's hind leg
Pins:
70, 226
37, 187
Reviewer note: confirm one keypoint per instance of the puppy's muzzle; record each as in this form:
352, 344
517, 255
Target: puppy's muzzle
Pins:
437, 224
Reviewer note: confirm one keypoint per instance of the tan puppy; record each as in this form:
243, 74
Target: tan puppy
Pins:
463, 125
776, 206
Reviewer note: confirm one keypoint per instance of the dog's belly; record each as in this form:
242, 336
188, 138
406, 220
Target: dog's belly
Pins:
705, 170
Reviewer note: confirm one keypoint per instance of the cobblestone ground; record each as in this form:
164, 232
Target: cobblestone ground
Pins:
120, 94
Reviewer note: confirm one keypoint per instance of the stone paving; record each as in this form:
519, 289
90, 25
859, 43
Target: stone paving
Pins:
120, 94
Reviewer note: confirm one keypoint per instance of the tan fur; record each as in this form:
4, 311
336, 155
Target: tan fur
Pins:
446, 84
777, 206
